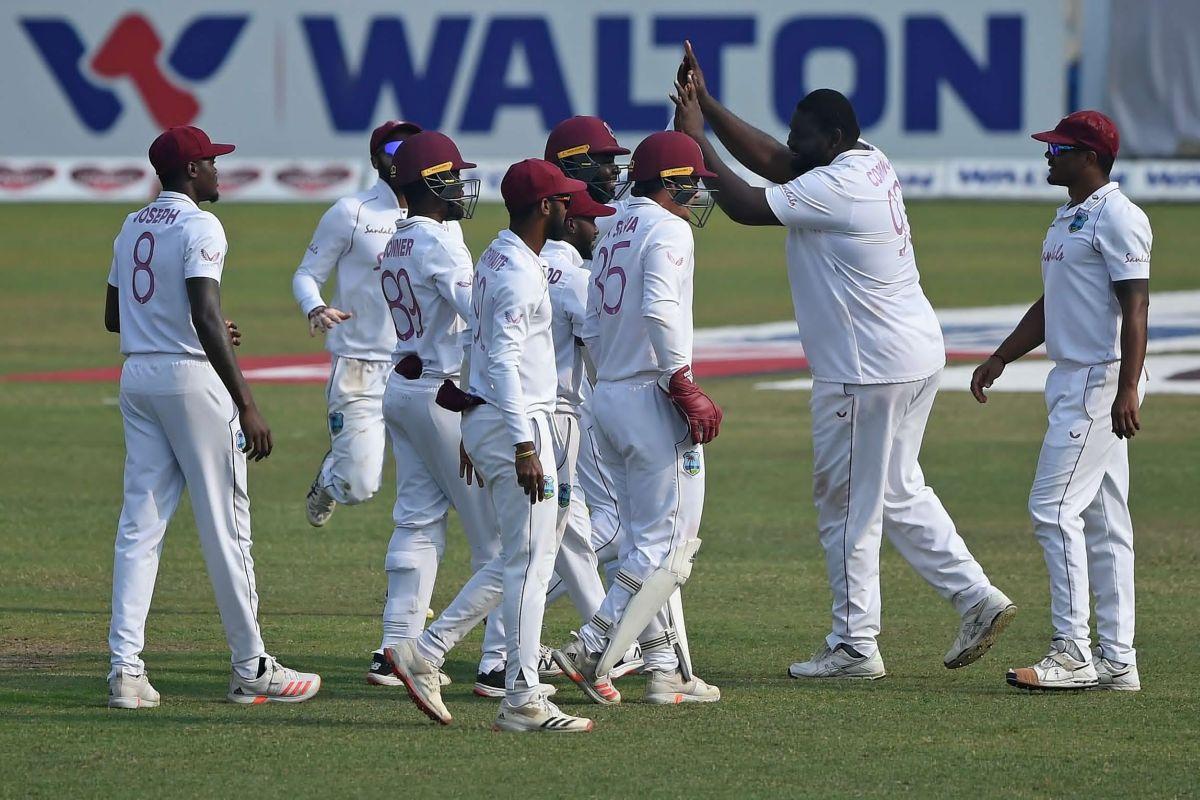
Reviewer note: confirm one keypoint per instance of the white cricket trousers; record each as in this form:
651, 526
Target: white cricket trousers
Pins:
575, 572
1080, 508
657, 475
425, 440
182, 429
598, 493
353, 468
867, 482
517, 578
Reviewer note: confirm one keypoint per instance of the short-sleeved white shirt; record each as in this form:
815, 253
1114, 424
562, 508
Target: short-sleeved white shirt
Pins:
159, 247
568, 301
646, 259
1088, 247
425, 282
512, 350
862, 314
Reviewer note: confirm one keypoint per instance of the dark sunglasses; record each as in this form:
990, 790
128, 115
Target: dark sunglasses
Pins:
565, 199
1057, 149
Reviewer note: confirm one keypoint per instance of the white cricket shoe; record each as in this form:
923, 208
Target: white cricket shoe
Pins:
275, 684
631, 662
126, 690
421, 678
546, 666
538, 716
981, 626
841, 662
1115, 676
319, 504
580, 666
669, 688
1061, 669
380, 673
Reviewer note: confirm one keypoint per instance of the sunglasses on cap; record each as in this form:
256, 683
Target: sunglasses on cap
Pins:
1058, 149
565, 199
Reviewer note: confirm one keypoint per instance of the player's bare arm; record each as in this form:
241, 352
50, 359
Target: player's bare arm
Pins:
1029, 333
323, 319
760, 152
529, 470
741, 202
1134, 297
112, 310
204, 297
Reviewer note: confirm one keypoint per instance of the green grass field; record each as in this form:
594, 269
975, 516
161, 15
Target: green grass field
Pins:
757, 600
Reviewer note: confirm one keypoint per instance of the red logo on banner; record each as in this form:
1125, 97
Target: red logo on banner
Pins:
107, 180
234, 178
309, 180
17, 178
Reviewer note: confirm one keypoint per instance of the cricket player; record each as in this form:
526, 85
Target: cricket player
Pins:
1092, 318
585, 148
506, 431
876, 355
190, 421
358, 329
425, 279
575, 566
652, 421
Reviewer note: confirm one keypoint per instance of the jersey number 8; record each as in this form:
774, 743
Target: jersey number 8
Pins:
143, 265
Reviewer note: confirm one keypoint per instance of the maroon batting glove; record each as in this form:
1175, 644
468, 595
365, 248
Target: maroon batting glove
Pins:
452, 398
410, 367
702, 414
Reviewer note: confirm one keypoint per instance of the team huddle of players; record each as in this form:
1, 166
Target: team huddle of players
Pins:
544, 392
543, 388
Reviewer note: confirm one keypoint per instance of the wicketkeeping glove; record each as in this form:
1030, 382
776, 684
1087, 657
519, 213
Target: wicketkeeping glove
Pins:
410, 367
452, 398
702, 414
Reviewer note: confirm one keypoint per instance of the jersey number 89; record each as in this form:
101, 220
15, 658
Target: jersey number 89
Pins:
402, 303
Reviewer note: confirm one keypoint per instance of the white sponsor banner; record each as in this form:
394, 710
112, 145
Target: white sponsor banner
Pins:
282, 179
297, 78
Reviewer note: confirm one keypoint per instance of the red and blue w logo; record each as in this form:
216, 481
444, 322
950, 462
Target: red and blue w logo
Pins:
131, 52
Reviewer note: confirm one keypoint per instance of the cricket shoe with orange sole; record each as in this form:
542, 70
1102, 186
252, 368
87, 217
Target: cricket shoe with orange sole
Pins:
670, 688
274, 683
421, 678
380, 673
580, 666
1063, 669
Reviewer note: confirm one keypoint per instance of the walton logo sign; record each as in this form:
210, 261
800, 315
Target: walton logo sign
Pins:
130, 52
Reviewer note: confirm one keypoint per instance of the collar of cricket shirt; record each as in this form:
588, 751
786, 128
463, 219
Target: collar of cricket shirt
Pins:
1068, 210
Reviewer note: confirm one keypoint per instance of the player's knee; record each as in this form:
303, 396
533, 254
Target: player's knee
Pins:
359, 490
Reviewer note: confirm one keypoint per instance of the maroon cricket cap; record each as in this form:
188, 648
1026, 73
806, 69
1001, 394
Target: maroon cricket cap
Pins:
178, 146
667, 154
380, 135
1090, 130
533, 179
424, 154
582, 205
579, 135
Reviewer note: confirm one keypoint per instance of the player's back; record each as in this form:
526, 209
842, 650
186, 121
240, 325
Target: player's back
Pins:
423, 263
159, 247
646, 257
568, 287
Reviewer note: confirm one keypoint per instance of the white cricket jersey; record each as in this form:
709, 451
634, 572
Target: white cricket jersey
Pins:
641, 276
425, 282
512, 355
862, 315
159, 247
1104, 239
568, 302
351, 237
